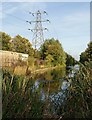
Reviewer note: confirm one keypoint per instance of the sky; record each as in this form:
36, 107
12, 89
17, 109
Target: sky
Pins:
70, 22
46, 0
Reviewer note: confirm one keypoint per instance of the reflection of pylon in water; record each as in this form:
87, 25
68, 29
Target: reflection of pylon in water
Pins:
38, 37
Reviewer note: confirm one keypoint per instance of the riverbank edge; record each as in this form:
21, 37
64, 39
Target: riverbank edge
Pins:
42, 70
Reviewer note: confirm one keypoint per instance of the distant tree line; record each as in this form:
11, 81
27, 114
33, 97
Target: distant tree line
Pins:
86, 56
51, 51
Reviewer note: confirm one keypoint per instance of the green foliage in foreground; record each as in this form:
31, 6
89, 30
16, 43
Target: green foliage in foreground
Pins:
20, 102
78, 103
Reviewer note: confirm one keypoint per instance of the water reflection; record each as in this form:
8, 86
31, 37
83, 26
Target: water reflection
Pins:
51, 74
51, 86
65, 84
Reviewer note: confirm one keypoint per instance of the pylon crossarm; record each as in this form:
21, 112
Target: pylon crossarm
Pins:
38, 29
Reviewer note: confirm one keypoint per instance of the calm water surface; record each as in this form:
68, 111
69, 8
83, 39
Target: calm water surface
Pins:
51, 87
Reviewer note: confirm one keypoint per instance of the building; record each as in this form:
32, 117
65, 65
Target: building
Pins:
7, 58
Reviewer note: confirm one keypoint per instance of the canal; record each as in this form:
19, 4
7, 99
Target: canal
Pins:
50, 88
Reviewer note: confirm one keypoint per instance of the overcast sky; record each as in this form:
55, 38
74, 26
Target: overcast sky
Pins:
70, 22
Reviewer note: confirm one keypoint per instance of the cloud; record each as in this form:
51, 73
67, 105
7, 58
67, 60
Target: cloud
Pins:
74, 31
0, 11
46, 1
74, 24
0, 15
77, 17
24, 1
23, 6
72, 27
19, 11
32, 6
6, 11
10, 10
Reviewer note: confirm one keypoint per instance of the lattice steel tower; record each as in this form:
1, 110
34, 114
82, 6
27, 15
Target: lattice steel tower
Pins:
38, 29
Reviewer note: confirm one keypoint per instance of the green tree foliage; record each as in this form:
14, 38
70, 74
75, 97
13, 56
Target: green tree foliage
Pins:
89, 51
70, 61
5, 41
52, 49
37, 54
87, 54
16, 44
83, 57
20, 44
49, 59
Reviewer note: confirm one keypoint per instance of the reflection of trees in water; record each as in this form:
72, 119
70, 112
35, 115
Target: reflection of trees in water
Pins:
49, 82
49, 87
52, 93
53, 86
51, 74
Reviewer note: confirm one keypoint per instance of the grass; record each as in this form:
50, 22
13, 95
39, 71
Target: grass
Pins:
19, 98
20, 70
78, 103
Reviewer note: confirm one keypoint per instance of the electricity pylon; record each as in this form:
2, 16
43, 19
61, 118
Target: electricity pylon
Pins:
38, 37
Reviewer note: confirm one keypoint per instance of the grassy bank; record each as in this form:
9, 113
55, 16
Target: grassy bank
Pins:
19, 98
23, 70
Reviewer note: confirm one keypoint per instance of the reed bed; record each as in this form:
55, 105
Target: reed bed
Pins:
18, 100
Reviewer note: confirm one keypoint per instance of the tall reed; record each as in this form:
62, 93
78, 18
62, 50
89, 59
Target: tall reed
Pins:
18, 99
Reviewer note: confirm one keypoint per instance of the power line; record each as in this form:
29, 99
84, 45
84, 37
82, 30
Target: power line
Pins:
53, 28
7, 22
13, 16
38, 37
30, 22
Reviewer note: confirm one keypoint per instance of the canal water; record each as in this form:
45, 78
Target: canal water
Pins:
51, 86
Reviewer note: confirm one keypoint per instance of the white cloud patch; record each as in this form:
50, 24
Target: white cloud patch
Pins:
75, 24
77, 17
72, 29
10, 10
32, 6
6, 11
24, 6
0, 11
45, 0
0, 16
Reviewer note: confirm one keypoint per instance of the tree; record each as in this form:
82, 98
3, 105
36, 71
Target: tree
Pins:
83, 57
5, 41
53, 49
70, 61
20, 44
86, 56
37, 54
89, 51
49, 59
